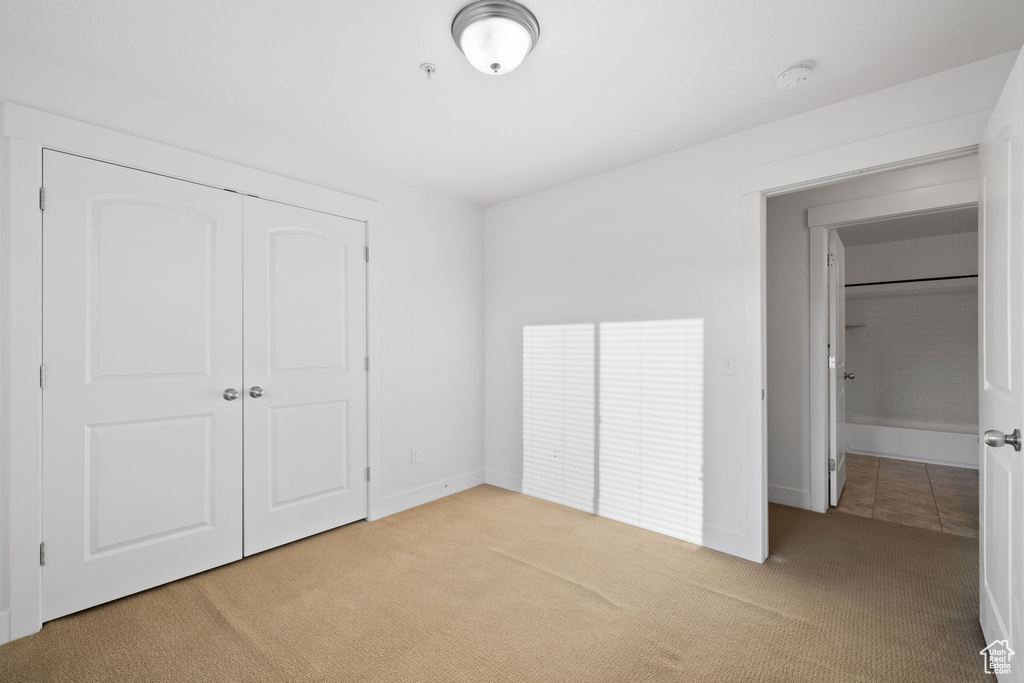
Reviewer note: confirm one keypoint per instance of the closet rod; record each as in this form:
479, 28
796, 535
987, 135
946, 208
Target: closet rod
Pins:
920, 279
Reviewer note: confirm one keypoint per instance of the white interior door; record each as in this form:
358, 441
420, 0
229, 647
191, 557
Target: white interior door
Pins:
142, 334
305, 397
1002, 394
837, 366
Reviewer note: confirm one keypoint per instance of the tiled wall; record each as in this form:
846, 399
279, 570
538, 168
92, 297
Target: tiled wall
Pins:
915, 357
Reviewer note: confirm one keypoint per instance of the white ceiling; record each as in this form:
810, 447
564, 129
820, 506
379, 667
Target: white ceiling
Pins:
950, 222
611, 82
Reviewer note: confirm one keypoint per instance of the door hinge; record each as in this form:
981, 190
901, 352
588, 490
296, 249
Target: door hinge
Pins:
42, 554
42, 376
831, 362
367, 474
830, 260
42, 199
831, 465
367, 253
367, 363
762, 394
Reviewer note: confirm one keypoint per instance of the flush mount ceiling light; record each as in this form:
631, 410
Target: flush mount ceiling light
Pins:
495, 35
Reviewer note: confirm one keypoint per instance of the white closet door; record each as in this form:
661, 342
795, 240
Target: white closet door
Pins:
142, 459
305, 392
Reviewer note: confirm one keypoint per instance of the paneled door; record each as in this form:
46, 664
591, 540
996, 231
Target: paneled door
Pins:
837, 366
1001, 257
305, 378
142, 339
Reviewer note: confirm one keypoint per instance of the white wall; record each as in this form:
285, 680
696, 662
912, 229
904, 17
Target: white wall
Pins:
430, 256
914, 351
940, 256
788, 315
914, 356
663, 239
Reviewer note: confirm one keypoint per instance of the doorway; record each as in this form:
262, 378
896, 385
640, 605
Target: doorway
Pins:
800, 443
906, 382
1001, 400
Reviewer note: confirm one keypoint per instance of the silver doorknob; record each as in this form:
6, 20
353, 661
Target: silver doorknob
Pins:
230, 394
256, 392
996, 439
849, 375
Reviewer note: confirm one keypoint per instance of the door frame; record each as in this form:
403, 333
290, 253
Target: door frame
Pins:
24, 134
938, 141
821, 222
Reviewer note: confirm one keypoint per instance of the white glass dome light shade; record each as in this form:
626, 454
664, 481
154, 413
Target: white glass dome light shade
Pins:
495, 45
495, 35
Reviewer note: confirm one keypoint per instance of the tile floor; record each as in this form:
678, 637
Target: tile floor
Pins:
912, 493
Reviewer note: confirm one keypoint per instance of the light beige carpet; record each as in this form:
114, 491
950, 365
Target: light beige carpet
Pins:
488, 585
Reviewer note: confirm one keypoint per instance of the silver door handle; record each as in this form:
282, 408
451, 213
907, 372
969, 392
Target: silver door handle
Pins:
849, 375
256, 392
996, 439
230, 394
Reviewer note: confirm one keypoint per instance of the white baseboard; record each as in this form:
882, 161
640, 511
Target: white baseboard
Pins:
563, 495
689, 527
511, 482
711, 537
915, 445
794, 498
425, 494
5, 626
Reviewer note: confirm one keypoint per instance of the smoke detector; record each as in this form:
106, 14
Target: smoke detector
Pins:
793, 75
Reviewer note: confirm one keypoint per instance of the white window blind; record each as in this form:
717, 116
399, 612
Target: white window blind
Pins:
652, 425
642, 461
558, 413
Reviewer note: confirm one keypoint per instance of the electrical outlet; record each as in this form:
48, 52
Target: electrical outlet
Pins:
729, 365
414, 456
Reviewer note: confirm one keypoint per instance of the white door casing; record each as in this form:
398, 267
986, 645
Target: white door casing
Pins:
837, 369
821, 221
305, 347
142, 333
1001, 264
